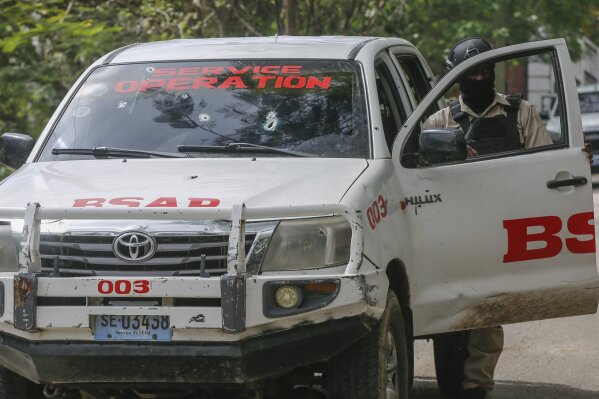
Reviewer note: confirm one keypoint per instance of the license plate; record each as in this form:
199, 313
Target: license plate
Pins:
132, 328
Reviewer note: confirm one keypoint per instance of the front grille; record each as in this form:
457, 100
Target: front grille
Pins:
176, 254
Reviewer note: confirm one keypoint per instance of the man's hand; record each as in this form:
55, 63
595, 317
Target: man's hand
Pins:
472, 152
587, 151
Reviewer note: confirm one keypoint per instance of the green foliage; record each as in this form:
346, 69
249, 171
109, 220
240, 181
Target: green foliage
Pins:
45, 45
5, 171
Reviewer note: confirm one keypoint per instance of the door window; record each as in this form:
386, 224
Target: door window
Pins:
392, 115
494, 108
417, 81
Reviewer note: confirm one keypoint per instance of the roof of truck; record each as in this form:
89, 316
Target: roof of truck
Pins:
276, 47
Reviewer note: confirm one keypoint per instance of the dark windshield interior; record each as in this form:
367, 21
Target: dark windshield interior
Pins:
314, 106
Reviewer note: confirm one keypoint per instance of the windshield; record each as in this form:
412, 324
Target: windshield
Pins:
314, 107
589, 102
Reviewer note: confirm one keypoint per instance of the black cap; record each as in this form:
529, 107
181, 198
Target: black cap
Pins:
465, 49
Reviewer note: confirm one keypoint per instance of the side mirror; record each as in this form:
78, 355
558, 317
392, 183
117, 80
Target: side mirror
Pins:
15, 148
441, 146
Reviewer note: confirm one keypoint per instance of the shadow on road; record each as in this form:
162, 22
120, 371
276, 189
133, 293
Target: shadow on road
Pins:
426, 388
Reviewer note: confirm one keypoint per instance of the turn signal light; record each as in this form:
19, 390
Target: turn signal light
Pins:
321, 288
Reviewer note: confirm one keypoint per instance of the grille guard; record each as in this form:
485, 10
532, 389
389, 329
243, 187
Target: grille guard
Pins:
233, 283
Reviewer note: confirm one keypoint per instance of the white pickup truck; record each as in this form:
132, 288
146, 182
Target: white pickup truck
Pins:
267, 213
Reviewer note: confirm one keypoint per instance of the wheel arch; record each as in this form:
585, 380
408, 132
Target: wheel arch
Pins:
399, 283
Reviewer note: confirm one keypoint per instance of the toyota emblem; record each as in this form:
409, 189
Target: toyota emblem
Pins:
134, 247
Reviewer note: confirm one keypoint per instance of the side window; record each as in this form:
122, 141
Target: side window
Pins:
392, 114
495, 110
417, 80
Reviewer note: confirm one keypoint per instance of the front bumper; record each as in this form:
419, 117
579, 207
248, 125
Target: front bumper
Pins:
242, 361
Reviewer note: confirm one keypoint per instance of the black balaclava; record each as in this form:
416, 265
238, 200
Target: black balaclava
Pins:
478, 94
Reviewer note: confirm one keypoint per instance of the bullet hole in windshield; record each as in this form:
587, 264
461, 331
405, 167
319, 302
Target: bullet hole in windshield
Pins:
204, 117
271, 121
82, 111
150, 69
122, 104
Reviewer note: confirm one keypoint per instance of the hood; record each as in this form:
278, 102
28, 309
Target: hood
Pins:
181, 182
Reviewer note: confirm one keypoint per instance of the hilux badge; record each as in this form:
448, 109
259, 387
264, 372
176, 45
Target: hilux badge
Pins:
134, 247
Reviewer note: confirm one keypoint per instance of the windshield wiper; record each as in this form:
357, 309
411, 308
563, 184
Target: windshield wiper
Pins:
241, 147
100, 152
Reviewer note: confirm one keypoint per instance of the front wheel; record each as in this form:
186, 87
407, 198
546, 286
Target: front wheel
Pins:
376, 366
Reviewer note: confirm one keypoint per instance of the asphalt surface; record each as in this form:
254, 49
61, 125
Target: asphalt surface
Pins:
549, 359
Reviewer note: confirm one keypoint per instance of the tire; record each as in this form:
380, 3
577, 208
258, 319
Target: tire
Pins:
406, 313
451, 351
13, 386
376, 366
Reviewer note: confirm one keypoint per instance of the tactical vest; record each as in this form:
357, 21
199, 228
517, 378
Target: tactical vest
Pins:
490, 135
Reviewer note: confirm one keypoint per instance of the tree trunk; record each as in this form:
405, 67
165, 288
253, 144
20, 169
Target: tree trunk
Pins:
291, 17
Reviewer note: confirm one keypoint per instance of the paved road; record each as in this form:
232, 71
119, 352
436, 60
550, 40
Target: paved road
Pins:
549, 359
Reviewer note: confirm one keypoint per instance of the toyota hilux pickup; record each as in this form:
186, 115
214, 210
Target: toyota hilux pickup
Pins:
269, 213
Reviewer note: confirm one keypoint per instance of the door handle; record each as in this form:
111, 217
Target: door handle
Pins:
574, 181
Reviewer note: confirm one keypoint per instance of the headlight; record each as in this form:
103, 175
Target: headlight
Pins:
309, 244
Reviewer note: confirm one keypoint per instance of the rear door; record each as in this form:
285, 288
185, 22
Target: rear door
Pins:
505, 237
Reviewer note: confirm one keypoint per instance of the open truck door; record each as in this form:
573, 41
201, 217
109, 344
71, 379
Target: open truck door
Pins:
503, 237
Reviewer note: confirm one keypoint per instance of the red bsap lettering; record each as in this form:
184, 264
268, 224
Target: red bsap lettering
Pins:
518, 238
131, 202
579, 225
163, 202
83, 202
203, 202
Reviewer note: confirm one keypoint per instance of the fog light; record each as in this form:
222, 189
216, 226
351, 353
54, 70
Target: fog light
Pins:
288, 296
